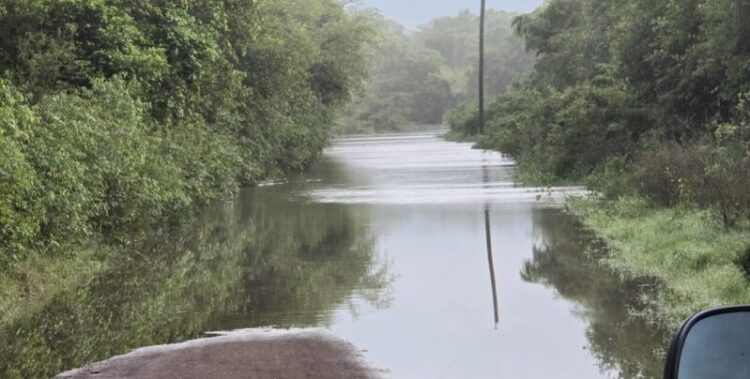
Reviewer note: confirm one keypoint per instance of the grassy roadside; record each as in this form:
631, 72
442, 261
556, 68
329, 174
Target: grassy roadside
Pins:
702, 263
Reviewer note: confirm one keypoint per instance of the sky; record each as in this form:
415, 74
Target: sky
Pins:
412, 13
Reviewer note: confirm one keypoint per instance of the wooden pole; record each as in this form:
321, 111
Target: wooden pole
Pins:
480, 127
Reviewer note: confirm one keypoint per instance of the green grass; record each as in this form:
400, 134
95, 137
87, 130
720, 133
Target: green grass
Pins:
701, 263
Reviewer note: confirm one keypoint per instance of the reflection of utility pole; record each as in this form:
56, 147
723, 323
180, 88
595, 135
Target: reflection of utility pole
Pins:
488, 238
491, 262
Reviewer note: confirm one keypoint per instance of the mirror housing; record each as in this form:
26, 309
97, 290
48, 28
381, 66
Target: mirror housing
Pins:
710, 341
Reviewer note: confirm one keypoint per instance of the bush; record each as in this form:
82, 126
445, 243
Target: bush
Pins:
564, 134
86, 163
138, 112
667, 172
97, 164
20, 210
706, 176
614, 180
726, 186
208, 162
464, 120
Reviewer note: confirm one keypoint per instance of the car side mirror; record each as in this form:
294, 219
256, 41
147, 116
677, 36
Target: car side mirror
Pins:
713, 344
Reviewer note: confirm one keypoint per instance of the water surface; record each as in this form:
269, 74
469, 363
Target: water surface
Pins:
385, 242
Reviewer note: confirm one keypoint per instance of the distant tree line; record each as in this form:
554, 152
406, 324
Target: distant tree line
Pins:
117, 114
637, 96
417, 77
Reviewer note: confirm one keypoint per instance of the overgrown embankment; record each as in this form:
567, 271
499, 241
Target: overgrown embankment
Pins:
118, 117
648, 103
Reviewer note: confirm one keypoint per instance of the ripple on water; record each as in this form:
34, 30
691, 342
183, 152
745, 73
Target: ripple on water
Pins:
421, 168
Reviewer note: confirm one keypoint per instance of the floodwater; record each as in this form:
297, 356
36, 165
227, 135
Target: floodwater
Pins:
421, 252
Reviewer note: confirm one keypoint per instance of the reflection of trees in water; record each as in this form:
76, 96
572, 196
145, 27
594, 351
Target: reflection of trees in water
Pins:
620, 334
233, 267
305, 262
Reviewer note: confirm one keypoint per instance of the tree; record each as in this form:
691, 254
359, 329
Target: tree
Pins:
417, 77
136, 110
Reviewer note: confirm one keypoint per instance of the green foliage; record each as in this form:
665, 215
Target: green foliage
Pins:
614, 180
645, 101
135, 110
455, 39
97, 163
20, 211
611, 78
416, 78
706, 176
565, 133
463, 120
406, 86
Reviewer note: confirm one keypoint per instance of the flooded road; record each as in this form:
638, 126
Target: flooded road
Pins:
430, 207
391, 242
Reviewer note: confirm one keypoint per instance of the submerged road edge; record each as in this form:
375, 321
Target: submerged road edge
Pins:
251, 353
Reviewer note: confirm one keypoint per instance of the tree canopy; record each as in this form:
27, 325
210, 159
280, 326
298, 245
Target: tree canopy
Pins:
653, 90
417, 77
119, 113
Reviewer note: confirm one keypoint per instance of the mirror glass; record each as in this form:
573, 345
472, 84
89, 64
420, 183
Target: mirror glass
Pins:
717, 347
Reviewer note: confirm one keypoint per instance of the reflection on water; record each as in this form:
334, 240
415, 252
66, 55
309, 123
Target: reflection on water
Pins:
239, 265
387, 242
491, 263
620, 334
490, 258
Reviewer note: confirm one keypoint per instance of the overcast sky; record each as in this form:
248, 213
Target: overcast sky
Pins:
412, 13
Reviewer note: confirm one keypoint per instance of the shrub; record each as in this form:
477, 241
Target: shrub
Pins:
20, 210
208, 162
667, 172
137, 112
614, 180
98, 165
463, 120
566, 134
725, 189
706, 176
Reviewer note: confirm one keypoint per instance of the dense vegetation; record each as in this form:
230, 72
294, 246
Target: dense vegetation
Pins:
117, 115
650, 97
648, 102
417, 77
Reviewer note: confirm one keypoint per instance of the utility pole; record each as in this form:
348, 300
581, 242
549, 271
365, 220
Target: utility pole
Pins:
480, 127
